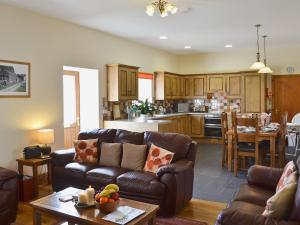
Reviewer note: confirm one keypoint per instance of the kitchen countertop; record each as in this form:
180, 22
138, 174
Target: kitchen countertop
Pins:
159, 116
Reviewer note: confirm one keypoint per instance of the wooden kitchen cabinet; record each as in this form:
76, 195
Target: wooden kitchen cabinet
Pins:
122, 82
215, 83
181, 91
254, 97
167, 86
234, 85
183, 125
197, 125
199, 86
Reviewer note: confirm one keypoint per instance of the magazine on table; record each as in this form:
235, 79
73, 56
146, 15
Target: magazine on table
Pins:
123, 215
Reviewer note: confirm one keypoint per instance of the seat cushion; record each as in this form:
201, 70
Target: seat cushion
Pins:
102, 176
177, 143
246, 207
246, 146
76, 170
253, 194
146, 184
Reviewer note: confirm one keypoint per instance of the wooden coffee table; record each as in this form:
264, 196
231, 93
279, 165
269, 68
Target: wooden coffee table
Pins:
66, 211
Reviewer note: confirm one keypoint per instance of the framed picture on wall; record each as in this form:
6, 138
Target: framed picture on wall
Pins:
14, 79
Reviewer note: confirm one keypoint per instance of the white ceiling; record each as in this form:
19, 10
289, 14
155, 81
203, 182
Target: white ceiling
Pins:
206, 25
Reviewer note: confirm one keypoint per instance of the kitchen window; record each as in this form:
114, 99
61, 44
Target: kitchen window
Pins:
145, 86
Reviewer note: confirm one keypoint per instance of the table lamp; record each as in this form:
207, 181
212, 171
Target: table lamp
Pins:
45, 136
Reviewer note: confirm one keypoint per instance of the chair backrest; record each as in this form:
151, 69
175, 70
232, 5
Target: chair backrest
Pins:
224, 121
249, 122
296, 119
282, 132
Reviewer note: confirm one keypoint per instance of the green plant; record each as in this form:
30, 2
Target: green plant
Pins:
144, 107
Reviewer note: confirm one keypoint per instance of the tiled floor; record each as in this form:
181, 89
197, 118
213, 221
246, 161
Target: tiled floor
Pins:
211, 181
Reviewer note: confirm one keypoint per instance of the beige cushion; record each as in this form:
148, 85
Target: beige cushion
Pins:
280, 204
110, 154
134, 156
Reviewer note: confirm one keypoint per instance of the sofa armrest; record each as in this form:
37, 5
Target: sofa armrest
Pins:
62, 157
177, 167
236, 217
264, 176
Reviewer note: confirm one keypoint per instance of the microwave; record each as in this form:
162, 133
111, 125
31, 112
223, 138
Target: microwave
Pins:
183, 107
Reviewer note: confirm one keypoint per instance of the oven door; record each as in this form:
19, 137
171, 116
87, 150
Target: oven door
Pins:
213, 131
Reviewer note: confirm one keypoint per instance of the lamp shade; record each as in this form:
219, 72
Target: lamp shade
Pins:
45, 136
265, 70
257, 65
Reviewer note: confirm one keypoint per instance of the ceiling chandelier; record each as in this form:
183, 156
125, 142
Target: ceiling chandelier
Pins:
258, 64
164, 8
265, 69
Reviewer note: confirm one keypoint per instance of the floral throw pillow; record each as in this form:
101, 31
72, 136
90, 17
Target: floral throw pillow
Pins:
86, 151
157, 157
288, 170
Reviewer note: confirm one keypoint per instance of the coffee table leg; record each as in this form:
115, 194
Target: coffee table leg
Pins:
37, 217
152, 221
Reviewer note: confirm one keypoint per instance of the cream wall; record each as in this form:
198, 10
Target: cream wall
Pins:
233, 60
49, 44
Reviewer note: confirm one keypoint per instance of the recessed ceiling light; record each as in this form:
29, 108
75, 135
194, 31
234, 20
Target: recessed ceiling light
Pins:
187, 47
228, 46
163, 38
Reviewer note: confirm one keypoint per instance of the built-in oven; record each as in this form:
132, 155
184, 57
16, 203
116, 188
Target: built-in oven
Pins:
212, 126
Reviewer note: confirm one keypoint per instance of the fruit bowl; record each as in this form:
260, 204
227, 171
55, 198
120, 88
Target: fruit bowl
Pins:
107, 207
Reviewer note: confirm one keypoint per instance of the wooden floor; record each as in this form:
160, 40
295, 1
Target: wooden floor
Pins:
205, 211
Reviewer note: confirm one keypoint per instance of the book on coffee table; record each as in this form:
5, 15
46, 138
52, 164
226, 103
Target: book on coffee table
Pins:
123, 215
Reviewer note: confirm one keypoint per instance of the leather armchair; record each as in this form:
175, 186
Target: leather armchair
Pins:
8, 196
248, 204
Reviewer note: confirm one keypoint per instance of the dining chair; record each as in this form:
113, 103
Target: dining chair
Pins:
245, 145
224, 121
280, 148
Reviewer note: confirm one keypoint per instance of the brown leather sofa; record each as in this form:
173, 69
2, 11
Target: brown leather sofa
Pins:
249, 203
8, 196
171, 187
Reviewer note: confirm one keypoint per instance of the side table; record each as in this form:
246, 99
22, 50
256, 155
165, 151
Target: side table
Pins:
34, 164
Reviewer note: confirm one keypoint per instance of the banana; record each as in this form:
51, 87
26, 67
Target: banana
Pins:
107, 192
112, 186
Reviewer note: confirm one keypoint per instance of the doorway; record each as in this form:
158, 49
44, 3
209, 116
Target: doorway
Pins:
286, 92
81, 102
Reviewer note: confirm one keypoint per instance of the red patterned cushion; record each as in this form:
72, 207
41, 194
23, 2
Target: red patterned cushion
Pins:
86, 151
288, 170
157, 157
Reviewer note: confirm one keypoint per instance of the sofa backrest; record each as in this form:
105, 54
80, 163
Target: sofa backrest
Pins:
181, 145
103, 135
295, 215
125, 136
177, 143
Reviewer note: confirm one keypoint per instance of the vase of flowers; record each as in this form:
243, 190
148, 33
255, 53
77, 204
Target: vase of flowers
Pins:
144, 108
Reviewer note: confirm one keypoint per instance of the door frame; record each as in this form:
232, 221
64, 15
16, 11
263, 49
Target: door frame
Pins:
77, 90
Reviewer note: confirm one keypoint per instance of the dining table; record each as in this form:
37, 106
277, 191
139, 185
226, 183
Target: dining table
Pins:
270, 136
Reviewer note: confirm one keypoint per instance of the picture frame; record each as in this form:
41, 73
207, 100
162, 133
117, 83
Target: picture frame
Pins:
14, 79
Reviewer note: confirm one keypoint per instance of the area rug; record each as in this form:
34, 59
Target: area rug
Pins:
168, 221
178, 221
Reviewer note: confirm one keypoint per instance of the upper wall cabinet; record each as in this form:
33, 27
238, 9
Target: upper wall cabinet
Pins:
167, 86
198, 86
215, 83
122, 82
254, 93
234, 85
